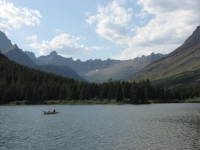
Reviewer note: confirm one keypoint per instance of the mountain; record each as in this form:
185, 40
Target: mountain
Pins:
122, 69
98, 70
180, 67
5, 43
92, 70
79, 66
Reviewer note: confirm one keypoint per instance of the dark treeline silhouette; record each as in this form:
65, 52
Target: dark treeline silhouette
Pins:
19, 83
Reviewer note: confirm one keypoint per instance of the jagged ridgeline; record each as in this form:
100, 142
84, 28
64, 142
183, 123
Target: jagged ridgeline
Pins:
98, 70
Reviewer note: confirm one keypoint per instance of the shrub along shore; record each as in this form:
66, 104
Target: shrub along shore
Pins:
97, 101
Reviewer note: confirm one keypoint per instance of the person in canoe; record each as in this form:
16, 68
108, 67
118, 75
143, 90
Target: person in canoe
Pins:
54, 110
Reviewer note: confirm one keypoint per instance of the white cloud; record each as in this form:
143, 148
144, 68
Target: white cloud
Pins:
91, 19
64, 44
15, 17
111, 22
87, 13
32, 38
142, 14
59, 30
4, 28
96, 47
172, 22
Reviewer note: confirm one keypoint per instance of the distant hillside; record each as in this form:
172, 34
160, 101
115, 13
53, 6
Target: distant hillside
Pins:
122, 69
180, 67
77, 65
98, 70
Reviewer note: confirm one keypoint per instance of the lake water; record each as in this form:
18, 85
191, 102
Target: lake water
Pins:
101, 127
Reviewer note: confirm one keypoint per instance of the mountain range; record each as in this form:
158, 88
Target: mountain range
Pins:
91, 70
179, 68
17, 55
98, 70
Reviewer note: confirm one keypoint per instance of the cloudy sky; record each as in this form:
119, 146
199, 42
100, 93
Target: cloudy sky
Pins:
99, 29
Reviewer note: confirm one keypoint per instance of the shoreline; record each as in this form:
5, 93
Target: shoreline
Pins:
94, 102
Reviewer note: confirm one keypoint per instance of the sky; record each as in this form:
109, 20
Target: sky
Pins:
99, 29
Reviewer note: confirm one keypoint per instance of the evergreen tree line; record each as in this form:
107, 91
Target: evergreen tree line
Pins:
19, 83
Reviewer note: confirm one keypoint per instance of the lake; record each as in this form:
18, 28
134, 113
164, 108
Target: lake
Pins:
101, 127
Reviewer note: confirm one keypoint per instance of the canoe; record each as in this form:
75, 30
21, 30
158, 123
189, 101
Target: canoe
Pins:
50, 112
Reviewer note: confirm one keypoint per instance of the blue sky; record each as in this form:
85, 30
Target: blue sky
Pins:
99, 29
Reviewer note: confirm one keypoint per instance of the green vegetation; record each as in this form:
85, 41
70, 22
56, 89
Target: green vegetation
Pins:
23, 85
182, 79
24, 102
81, 102
192, 100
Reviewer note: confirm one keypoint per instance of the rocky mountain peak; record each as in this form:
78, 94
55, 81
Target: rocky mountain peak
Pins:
15, 46
31, 55
194, 37
5, 43
53, 53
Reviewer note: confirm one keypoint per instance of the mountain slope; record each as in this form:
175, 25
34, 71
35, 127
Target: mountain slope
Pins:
17, 55
182, 66
64, 71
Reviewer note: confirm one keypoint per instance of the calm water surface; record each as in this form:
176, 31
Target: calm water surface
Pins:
101, 127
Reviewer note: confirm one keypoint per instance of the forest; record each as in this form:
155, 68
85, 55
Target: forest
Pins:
18, 83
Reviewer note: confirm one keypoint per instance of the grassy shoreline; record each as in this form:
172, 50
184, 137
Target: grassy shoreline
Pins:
66, 102
90, 102
192, 100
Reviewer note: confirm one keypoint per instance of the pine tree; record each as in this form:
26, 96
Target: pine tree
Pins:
119, 94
